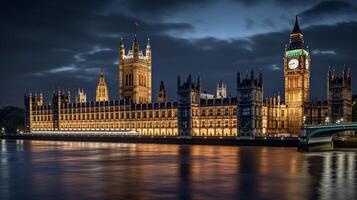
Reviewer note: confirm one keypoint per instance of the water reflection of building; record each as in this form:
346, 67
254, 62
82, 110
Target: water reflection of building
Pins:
194, 113
332, 174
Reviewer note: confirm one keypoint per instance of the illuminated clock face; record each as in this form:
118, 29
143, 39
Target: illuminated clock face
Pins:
293, 63
307, 64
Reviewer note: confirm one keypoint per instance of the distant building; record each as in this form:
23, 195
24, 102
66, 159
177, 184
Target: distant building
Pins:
221, 90
196, 113
81, 96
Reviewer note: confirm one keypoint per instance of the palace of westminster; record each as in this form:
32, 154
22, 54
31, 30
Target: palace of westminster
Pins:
195, 113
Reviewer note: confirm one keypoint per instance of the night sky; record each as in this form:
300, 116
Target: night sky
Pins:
47, 44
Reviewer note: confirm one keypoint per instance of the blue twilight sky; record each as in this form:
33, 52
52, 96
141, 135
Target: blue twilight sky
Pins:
46, 45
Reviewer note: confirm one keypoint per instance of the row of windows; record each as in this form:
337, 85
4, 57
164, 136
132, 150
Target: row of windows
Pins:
42, 112
274, 112
214, 132
128, 79
297, 82
204, 112
212, 124
122, 115
295, 96
142, 80
42, 118
295, 112
133, 115
143, 114
127, 125
275, 124
102, 91
214, 112
97, 109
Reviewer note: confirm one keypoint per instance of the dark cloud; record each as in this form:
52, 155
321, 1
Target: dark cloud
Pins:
328, 9
283, 3
249, 23
292, 3
154, 8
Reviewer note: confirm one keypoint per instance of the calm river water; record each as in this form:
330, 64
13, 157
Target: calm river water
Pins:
86, 170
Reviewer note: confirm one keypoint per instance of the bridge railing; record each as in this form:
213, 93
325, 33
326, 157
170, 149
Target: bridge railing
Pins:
308, 126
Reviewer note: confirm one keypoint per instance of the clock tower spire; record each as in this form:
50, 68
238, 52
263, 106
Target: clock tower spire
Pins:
297, 78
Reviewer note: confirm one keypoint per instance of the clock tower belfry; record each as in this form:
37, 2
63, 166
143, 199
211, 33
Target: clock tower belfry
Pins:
297, 78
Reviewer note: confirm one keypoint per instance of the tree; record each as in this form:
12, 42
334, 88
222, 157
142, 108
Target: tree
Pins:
12, 119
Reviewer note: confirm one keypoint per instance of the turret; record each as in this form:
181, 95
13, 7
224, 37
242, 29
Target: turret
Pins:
296, 29
135, 80
339, 96
188, 96
135, 49
102, 89
68, 96
260, 79
121, 49
178, 82
38, 99
249, 105
28, 103
198, 84
296, 37
189, 81
161, 95
148, 51
238, 79
81, 96
221, 90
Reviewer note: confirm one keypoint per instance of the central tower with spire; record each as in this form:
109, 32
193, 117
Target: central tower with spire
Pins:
297, 78
135, 73
102, 89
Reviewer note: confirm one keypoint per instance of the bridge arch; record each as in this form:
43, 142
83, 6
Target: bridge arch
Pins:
329, 132
320, 137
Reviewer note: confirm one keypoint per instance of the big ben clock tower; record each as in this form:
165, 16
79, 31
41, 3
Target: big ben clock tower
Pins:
297, 79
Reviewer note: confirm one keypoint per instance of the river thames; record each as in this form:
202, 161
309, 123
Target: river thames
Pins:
88, 170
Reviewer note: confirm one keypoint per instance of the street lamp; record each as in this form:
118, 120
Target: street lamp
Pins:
327, 120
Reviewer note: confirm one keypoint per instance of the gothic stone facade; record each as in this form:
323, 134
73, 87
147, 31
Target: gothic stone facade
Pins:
248, 114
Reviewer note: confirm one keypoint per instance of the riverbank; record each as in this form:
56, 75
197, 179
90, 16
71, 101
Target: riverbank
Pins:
227, 141
231, 141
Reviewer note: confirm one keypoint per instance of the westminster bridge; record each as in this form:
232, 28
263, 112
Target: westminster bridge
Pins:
319, 137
